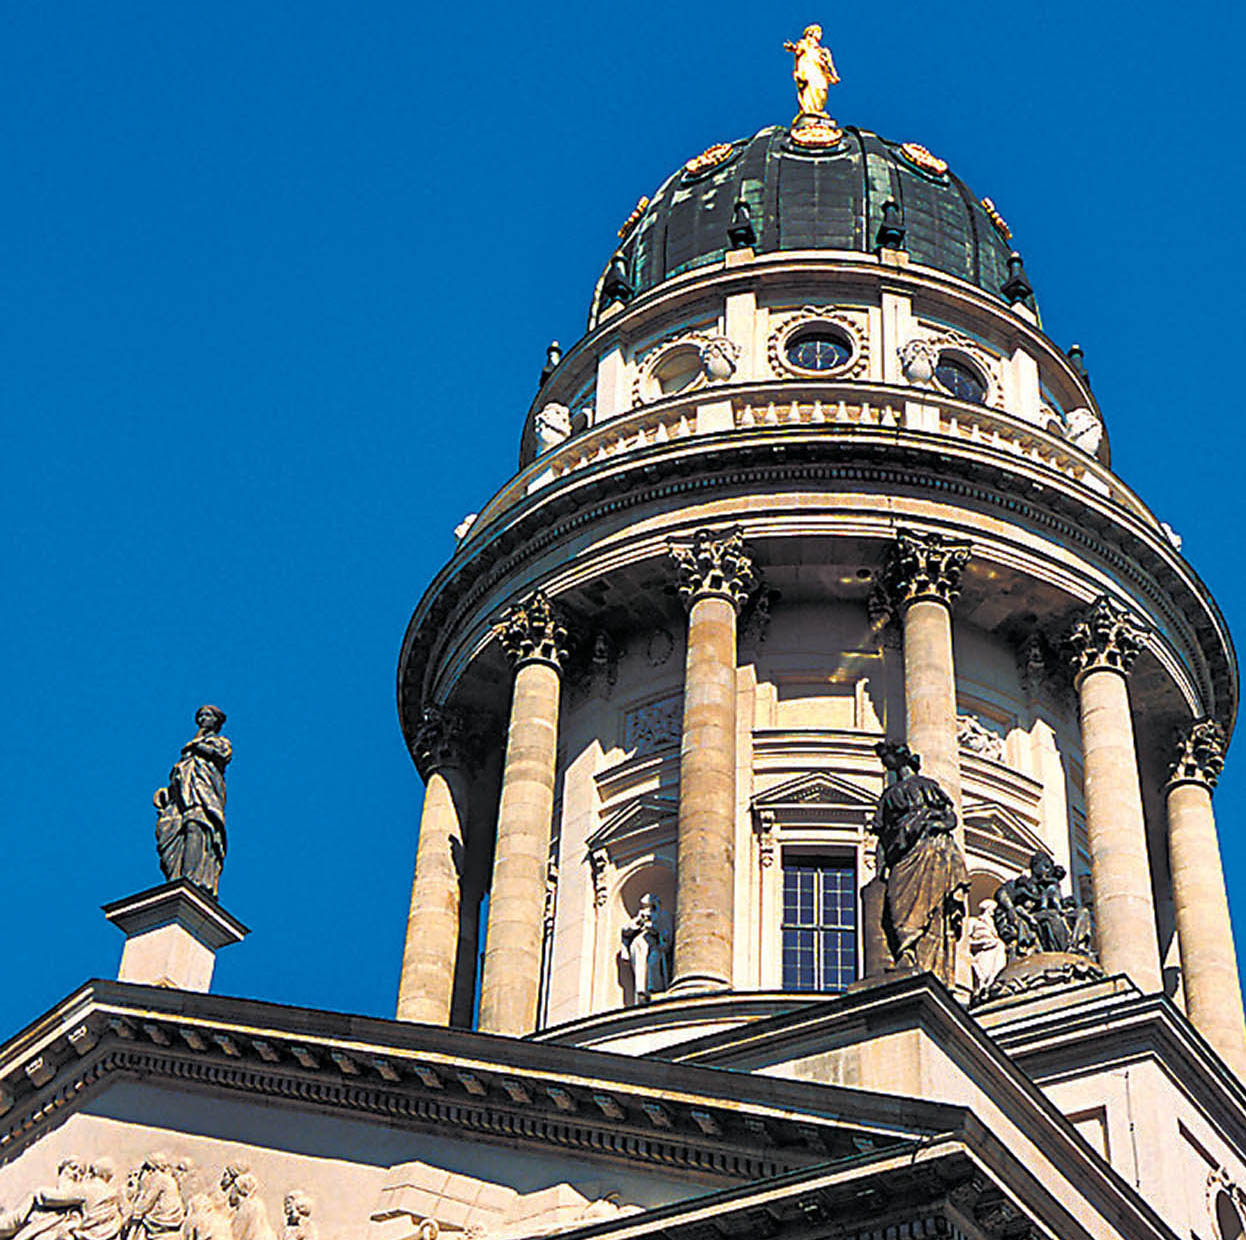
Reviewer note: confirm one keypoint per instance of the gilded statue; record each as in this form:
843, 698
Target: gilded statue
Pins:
190, 828
814, 71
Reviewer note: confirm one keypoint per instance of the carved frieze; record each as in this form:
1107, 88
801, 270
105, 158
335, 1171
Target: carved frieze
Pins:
715, 563
1200, 753
533, 632
1104, 637
972, 734
654, 725
923, 566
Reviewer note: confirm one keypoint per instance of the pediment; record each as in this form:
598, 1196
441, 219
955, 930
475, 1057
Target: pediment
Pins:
639, 818
998, 831
815, 789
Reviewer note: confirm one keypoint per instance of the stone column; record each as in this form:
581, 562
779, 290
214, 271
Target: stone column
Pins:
715, 578
535, 641
432, 946
922, 580
1104, 643
1213, 993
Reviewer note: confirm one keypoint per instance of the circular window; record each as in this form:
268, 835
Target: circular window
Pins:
1227, 1218
818, 350
958, 379
679, 369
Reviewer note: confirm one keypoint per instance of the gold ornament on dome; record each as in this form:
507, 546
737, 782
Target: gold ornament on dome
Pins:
917, 154
711, 157
994, 216
814, 71
632, 220
817, 137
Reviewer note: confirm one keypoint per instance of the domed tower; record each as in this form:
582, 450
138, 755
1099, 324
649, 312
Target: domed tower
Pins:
814, 478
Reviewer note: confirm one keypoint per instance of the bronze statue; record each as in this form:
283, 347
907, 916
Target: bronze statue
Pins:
814, 71
190, 829
927, 882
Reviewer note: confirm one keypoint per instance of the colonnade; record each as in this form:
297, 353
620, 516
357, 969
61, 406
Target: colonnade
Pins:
920, 583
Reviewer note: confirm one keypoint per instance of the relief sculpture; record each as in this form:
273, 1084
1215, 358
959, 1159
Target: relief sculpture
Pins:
161, 1198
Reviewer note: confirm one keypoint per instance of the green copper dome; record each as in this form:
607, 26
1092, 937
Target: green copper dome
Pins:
801, 198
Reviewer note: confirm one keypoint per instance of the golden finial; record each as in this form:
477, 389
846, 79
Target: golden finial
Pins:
814, 71
632, 220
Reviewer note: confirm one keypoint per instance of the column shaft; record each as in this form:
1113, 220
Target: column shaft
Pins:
1213, 993
1119, 866
707, 774
428, 959
930, 695
511, 981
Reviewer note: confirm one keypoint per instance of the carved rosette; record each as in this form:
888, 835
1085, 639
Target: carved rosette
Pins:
442, 741
923, 566
1104, 638
1200, 753
533, 632
716, 564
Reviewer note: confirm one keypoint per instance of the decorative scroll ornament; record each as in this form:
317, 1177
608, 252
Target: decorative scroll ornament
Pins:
917, 154
1104, 637
972, 734
1200, 753
441, 741
994, 216
709, 158
533, 632
924, 566
632, 220
716, 564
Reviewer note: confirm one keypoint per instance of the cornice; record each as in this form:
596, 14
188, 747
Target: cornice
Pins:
699, 1122
951, 470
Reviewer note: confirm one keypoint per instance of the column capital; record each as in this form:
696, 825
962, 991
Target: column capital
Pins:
715, 564
1104, 638
1200, 754
442, 740
924, 566
532, 631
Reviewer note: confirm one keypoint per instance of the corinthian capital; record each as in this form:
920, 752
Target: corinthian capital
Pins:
924, 566
441, 741
1200, 753
715, 564
533, 632
1104, 637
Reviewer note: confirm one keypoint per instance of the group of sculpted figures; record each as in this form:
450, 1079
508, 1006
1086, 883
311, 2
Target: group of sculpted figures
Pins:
190, 823
161, 1199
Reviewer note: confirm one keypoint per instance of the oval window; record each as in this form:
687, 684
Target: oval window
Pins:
818, 350
960, 380
678, 370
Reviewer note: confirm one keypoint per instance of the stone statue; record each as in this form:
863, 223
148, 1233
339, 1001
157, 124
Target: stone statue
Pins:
1032, 915
190, 828
248, 1214
646, 947
988, 953
814, 71
156, 1208
925, 876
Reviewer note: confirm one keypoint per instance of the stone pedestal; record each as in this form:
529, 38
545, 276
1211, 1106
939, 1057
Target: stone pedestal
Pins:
173, 933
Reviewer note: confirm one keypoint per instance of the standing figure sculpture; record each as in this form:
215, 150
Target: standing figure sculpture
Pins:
646, 947
814, 71
927, 882
190, 829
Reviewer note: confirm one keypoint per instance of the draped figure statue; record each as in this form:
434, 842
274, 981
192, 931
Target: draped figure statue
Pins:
190, 827
646, 947
927, 882
814, 71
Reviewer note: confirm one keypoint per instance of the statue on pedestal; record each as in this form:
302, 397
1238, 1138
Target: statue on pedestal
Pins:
646, 947
927, 882
190, 828
814, 71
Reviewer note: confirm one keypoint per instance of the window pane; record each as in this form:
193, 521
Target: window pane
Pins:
819, 923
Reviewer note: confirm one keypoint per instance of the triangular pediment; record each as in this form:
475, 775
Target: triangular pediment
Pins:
815, 788
640, 816
997, 830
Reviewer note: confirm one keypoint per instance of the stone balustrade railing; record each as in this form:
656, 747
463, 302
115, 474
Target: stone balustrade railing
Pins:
846, 408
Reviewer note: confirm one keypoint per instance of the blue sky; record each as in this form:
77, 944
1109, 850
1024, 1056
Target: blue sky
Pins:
278, 279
